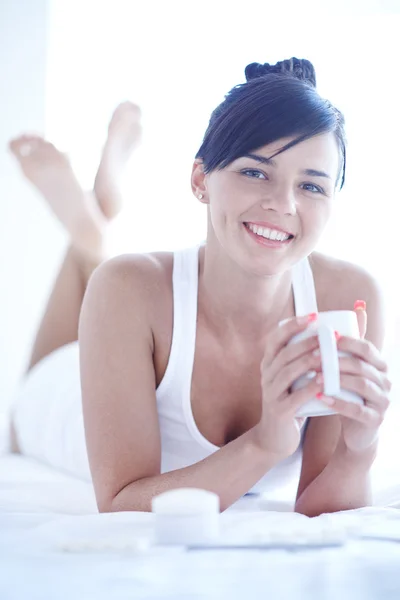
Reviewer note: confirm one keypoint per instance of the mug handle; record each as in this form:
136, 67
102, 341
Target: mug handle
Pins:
329, 360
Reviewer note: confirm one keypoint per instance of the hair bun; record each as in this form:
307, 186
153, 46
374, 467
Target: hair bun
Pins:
299, 68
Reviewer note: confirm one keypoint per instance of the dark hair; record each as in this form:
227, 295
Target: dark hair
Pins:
276, 101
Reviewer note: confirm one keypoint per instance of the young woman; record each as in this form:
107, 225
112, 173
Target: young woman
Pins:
185, 373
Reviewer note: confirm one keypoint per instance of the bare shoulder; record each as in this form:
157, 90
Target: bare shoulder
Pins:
132, 282
136, 272
340, 283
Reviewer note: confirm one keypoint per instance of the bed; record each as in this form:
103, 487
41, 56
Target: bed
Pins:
53, 544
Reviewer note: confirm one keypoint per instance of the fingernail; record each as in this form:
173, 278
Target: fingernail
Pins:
312, 317
360, 305
319, 395
337, 336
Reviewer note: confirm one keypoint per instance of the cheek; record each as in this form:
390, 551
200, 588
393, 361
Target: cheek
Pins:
319, 206
314, 215
324, 210
226, 203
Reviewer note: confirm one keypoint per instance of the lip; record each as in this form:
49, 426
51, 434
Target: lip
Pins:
269, 226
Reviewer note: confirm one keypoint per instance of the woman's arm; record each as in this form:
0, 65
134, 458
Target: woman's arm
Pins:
229, 472
119, 400
333, 478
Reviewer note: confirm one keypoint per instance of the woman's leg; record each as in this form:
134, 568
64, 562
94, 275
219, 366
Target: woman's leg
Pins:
59, 324
84, 215
124, 135
51, 174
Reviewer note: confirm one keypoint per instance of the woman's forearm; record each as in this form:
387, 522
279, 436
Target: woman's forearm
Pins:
229, 472
344, 484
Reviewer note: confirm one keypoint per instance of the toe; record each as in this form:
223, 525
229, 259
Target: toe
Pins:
24, 144
12, 145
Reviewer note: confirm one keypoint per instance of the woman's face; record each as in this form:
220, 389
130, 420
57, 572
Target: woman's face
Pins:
250, 201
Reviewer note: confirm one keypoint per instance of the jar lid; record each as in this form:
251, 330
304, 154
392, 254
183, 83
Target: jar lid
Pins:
186, 501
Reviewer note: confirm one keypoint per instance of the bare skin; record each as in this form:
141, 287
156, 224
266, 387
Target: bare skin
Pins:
226, 369
50, 172
85, 216
124, 135
132, 353
225, 372
243, 294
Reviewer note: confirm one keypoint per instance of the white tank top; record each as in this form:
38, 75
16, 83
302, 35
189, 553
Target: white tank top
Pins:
182, 444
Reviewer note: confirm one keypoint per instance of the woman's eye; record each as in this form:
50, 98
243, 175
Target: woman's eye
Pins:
253, 171
311, 187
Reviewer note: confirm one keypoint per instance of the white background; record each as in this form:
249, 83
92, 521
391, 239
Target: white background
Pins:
27, 231
64, 65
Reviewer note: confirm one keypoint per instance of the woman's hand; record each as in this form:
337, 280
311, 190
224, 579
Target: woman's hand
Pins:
278, 431
365, 373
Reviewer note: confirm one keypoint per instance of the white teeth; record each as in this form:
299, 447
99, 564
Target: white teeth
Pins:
271, 234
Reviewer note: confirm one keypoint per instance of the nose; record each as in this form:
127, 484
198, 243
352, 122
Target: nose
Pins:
281, 201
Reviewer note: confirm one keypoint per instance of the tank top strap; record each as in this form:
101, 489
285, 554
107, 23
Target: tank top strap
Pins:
305, 298
188, 292
185, 288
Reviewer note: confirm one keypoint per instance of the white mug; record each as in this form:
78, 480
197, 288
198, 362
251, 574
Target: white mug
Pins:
345, 323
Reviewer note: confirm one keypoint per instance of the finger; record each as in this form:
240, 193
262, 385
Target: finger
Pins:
288, 374
300, 397
283, 334
360, 310
300, 421
351, 365
372, 394
290, 353
359, 412
362, 349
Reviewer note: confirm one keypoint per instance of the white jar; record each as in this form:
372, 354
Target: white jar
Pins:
186, 516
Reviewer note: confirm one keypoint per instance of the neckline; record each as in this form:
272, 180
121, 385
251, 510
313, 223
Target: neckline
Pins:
301, 288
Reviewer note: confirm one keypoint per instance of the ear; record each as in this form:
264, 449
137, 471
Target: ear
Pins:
199, 188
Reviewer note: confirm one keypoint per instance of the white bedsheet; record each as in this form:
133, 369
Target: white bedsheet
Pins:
44, 513
27, 486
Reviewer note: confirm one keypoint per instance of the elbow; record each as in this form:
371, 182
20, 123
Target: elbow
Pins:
310, 512
120, 503
111, 505
107, 501
105, 505
309, 507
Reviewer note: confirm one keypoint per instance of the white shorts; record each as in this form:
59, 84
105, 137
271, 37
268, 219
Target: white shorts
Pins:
47, 413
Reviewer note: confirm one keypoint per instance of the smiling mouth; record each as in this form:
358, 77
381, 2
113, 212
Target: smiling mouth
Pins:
274, 235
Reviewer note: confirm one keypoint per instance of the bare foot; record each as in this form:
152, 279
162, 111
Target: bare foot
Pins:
50, 172
124, 135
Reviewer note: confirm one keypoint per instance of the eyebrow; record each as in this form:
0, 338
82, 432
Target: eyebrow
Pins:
272, 163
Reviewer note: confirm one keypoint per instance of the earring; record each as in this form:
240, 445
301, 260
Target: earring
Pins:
200, 196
